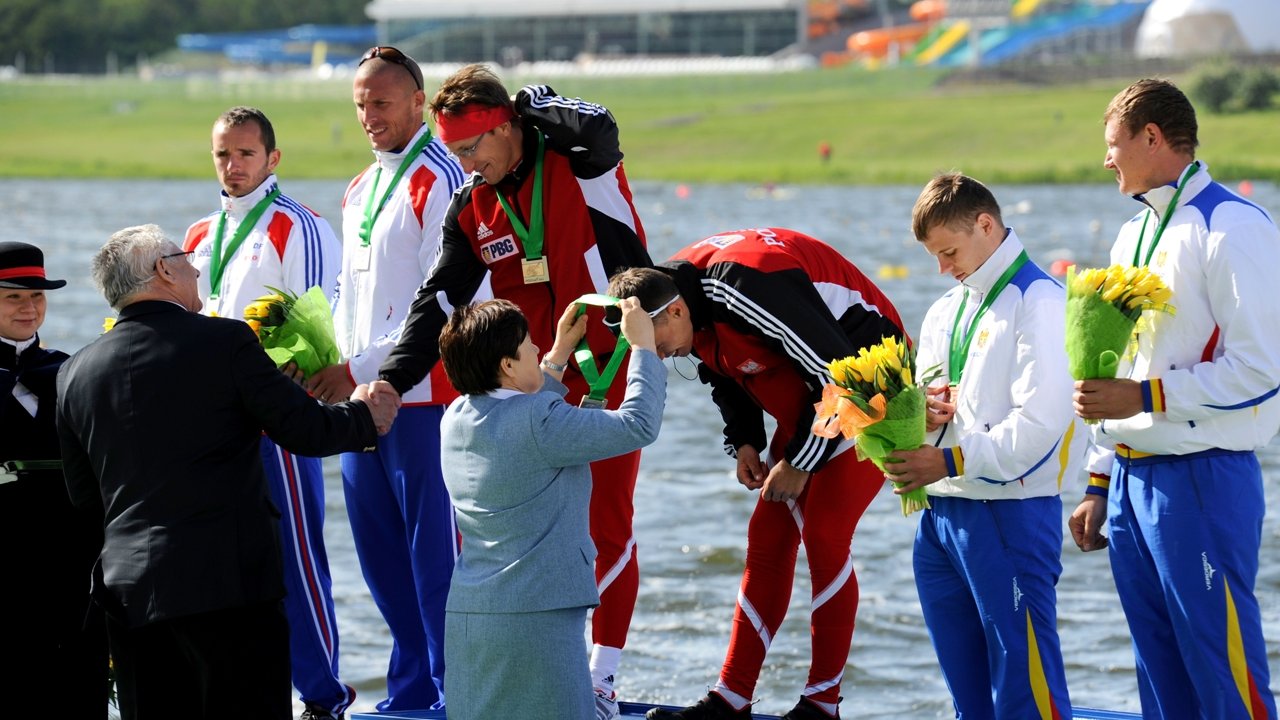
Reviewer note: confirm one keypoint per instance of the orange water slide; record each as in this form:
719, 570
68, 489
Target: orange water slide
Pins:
876, 43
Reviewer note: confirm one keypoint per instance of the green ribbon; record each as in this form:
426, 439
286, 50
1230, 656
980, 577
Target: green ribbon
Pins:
1164, 221
218, 262
370, 214
598, 381
959, 351
531, 237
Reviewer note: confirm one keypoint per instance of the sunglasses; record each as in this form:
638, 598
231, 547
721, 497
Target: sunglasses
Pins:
392, 55
615, 326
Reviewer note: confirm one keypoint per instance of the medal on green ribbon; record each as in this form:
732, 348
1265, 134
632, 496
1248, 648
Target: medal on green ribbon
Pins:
219, 259
533, 265
598, 380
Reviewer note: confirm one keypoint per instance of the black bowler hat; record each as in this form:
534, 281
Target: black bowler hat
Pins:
22, 267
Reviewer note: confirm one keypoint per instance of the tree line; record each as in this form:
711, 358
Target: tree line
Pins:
77, 36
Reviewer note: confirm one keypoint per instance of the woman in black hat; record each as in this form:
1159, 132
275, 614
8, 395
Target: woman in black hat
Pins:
47, 548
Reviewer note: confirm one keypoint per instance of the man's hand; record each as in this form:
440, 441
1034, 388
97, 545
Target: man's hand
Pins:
1086, 523
750, 471
1107, 399
332, 384
917, 468
784, 483
939, 407
291, 371
383, 403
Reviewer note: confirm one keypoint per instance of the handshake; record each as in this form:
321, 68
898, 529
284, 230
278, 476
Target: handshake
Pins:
383, 402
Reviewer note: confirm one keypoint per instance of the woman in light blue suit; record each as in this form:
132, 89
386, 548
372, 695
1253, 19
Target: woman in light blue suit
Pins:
515, 461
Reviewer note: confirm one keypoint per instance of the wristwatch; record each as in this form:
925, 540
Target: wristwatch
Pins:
552, 365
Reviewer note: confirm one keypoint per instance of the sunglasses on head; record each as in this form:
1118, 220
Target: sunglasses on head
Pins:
615, 326
392, 55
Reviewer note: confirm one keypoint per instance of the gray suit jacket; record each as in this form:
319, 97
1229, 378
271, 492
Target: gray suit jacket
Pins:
517, 472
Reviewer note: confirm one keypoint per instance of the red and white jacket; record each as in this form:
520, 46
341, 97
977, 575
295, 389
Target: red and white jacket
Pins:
290, 248
591, 232
377, 283
771, 308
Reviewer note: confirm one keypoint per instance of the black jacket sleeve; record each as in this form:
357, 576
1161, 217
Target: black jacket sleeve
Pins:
784, 309
583, 131
743, 419
455, 277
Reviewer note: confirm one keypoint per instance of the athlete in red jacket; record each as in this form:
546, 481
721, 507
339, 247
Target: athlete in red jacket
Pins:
546, 217
765, 311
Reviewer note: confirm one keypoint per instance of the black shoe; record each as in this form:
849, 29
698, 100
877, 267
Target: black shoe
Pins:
711, 707
315, 712
807, 710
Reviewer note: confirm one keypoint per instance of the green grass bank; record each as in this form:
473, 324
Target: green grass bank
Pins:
888, 127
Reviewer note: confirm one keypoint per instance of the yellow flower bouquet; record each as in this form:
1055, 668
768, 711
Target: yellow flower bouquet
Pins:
876, 402
295, 328
1103, 308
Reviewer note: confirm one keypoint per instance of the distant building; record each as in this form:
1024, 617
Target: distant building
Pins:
1180, 28
513, 31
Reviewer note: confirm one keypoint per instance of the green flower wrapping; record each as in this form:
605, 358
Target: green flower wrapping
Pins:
1096, 336
901, 428
876, 402
305, 336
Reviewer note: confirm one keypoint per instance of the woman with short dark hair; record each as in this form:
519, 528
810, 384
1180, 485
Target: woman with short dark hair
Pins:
515, 457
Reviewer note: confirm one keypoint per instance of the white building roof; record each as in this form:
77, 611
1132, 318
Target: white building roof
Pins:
382, 10
1204, 27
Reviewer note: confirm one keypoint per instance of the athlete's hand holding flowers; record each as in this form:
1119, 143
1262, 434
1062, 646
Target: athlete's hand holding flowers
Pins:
876, 402
295, 329
1104, 306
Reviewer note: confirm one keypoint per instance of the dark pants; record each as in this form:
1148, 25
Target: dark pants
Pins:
52, 638
225, 663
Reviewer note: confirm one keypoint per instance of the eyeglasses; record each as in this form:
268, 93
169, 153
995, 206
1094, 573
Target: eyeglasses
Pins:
467, 152
188, 254
614, 325
393, 55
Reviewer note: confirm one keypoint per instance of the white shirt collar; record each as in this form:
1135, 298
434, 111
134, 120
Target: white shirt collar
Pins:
1158, 198
21, 345
391, 160
502, 393
984, 277
238, 207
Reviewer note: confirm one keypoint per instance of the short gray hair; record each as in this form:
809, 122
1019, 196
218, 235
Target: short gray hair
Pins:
127, 263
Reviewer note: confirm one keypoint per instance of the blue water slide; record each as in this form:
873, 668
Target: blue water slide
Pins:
1003, 43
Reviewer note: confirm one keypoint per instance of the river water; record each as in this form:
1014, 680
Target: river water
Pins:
691, 516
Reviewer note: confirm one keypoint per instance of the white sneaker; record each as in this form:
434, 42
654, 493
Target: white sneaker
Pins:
606, 705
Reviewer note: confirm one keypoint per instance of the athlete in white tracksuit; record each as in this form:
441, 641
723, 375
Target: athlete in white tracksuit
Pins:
1186, 501
400, 512
290, 248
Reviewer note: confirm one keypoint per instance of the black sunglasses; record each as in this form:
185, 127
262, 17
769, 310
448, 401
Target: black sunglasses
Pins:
392, 55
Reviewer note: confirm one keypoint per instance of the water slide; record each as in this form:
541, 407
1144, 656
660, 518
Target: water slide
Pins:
1023, 8
945, 42
1000, 44
876, 43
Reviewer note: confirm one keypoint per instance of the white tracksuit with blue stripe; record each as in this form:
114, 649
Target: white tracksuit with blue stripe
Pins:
293, 249
988, 554
1186, 497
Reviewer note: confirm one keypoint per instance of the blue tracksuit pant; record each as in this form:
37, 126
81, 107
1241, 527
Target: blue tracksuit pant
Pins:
986, 572
297, 489
407, 541
1185, 534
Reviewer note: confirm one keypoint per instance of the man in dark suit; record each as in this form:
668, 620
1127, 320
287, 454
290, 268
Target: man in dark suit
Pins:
159, 421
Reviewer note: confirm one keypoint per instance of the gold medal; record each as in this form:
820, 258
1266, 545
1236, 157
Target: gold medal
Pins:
535, 270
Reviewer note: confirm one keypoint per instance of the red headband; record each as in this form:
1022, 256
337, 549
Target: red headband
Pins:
470, 121
33, 271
